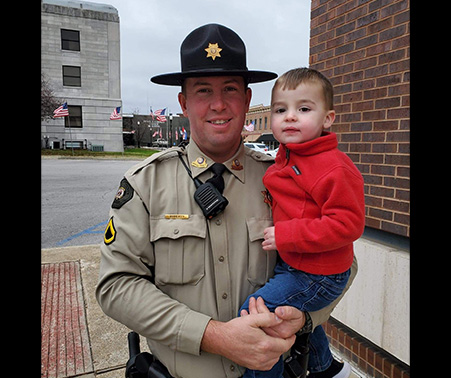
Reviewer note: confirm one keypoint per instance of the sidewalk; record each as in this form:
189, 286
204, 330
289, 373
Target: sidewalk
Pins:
77, 338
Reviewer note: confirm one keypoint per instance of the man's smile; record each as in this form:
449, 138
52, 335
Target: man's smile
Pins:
219, 122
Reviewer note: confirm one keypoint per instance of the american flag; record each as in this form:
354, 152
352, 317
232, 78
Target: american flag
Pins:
160, 115
249, 127
62, 111
185, 134
116, 114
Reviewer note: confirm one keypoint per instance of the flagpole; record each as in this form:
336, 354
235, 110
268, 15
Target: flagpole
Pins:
70, 134
167, 127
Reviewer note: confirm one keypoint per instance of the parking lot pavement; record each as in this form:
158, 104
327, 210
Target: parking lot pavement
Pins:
76, 196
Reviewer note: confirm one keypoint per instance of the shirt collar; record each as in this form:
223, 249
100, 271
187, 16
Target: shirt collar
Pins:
199, 162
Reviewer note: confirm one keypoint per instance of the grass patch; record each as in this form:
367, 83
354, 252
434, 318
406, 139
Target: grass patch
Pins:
129, 152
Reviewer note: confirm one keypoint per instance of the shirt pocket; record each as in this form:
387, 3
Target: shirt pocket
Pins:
179, 246
261, 263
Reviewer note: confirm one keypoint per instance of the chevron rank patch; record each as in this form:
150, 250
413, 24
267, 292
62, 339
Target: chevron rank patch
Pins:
123, 195
110, 232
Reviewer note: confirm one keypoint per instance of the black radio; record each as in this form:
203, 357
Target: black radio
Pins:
210, 200
207, 196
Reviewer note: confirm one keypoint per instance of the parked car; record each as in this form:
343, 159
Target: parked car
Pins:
160, 143
257, 146
272, 153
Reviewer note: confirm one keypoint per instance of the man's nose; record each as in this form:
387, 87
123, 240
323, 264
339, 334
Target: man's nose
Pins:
217, 102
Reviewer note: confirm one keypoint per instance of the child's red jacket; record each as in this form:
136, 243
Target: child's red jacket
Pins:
318, 205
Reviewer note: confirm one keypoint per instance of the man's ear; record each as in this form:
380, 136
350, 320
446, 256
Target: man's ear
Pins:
248, 98
182, 102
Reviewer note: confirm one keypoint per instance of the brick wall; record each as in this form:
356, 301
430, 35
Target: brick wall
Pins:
363, 354
363, 48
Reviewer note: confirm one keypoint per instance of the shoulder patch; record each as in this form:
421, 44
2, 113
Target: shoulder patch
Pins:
123, 195
110, 233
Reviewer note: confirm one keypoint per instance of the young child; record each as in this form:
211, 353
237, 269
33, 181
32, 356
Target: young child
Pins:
318, 210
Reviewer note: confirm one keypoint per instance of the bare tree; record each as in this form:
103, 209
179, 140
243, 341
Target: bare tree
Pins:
140, 126
48, 101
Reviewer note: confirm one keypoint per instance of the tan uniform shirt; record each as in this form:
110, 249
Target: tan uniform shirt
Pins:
203, 269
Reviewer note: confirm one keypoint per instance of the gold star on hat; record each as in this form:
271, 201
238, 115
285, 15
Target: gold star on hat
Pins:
213, 51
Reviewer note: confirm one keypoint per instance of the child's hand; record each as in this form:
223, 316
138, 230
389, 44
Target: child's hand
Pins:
269, 244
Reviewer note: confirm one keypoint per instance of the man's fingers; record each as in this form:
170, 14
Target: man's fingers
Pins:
289, 313
285, 344
261, 307
266, 319
257, 306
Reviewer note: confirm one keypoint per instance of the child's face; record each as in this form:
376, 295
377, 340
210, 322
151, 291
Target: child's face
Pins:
299, 115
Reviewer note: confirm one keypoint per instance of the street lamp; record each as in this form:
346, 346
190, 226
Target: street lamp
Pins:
172, 131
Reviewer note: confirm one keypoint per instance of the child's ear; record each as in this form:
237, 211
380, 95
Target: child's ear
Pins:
329, 119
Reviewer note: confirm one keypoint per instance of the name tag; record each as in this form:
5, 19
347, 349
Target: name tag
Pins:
176, 216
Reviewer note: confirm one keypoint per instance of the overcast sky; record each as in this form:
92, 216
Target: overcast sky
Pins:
276, 34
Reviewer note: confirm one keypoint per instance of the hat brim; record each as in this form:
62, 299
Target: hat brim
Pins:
176, 78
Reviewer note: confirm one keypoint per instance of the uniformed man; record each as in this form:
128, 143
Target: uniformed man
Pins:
177, 275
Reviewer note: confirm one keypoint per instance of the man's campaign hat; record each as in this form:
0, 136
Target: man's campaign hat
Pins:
213, 50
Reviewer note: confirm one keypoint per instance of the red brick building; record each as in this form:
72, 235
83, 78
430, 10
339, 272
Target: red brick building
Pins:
363, 48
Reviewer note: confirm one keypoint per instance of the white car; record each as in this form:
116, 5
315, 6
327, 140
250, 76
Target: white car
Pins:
257, 147
272, 153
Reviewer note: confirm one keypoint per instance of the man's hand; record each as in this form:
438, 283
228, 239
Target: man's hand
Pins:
292, 319
243, 340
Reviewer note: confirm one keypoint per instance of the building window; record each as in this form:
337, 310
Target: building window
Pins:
75, 118
72, 76
70, 40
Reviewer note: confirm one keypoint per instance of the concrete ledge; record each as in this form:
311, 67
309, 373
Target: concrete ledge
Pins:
377, 305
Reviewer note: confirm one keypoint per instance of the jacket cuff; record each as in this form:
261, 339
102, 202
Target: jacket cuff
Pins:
284, 240
191, 332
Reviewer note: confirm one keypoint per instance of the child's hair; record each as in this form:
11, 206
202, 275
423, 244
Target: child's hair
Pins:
292, 78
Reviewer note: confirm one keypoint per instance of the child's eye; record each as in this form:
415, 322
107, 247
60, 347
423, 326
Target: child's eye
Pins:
279, 111
304, 109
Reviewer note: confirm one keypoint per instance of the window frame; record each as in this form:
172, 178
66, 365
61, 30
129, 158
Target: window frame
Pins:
71, 80
70, 41
75, 117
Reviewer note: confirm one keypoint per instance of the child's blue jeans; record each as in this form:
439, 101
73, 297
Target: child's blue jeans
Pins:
307, 292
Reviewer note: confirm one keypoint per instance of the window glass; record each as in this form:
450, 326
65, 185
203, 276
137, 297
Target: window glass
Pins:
70, 40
